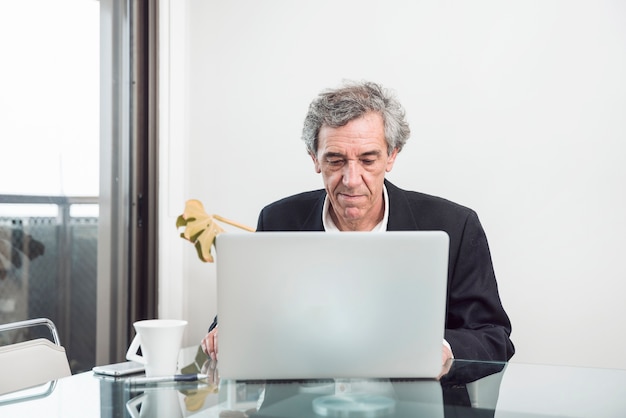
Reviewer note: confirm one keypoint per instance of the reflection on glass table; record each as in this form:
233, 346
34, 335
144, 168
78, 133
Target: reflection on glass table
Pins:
470, 389
469, 386
460, 390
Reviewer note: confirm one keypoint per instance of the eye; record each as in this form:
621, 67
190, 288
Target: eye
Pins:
335, 162
368, 161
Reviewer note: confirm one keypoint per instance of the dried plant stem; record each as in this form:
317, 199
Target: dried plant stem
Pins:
233, 223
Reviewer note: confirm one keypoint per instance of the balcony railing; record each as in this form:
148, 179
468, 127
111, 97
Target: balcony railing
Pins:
48, 268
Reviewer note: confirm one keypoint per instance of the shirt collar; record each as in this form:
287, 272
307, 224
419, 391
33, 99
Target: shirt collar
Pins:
329, 225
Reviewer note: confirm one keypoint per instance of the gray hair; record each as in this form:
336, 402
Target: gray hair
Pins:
337, 107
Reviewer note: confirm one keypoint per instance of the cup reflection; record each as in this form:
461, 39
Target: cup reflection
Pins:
153, 403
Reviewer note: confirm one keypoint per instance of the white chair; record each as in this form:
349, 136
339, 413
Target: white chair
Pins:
34, 362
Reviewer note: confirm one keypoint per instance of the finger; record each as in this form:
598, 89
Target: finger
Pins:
215, 343
212, 344
209, 339
204, 345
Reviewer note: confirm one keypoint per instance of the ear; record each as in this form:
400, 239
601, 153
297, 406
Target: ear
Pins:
316, 163
391, 160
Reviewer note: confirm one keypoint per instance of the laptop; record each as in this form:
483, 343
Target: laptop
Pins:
309, 305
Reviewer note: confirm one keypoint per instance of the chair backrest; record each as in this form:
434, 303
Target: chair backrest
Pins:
33, 362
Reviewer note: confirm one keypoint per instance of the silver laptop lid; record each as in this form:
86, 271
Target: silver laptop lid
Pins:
303, 305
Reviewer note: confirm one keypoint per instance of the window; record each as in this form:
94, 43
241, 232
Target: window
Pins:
50, 168
77, 200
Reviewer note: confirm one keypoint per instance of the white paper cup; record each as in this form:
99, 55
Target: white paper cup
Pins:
160, 341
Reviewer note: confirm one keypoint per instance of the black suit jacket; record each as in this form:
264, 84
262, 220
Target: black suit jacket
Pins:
477, 327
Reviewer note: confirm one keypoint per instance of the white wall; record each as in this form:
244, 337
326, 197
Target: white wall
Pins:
517, 109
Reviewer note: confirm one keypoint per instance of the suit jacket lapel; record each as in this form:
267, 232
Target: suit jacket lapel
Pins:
400, 215
314, 221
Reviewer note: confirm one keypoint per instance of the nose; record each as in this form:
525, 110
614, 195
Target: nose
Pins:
352, 174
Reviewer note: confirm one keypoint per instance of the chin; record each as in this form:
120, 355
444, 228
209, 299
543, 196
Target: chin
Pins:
352, 217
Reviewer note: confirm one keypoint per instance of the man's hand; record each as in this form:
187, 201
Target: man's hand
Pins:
209, 344
446, 361
446, 354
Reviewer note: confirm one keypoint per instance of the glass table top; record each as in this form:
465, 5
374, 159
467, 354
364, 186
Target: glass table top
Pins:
472, 389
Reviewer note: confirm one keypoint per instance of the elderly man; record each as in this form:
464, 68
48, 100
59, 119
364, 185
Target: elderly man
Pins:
353, 135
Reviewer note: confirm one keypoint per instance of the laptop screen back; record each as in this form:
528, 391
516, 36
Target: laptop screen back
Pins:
304, 305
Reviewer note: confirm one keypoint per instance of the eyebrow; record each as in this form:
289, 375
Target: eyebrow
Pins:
374, 153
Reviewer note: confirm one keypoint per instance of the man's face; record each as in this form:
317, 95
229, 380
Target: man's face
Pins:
353, 161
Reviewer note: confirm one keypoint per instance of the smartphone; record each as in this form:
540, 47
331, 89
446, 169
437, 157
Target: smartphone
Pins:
124, 368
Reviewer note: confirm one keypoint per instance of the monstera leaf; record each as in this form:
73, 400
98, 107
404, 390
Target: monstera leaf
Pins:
202, 228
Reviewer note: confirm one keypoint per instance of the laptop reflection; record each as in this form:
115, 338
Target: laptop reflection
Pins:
469, 389
352, 398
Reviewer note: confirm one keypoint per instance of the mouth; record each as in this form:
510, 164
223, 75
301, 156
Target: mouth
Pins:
349, 197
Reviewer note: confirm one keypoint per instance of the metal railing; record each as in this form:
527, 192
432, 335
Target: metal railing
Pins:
48, 268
